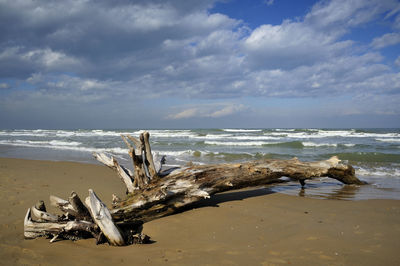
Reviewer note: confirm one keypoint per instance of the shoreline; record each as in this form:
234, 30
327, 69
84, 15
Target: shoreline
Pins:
234, 228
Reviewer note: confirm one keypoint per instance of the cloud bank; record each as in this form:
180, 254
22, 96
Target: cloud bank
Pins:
176, 57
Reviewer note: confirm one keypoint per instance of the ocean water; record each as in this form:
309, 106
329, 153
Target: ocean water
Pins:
374, 153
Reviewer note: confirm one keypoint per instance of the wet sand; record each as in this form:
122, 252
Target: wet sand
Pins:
247, 227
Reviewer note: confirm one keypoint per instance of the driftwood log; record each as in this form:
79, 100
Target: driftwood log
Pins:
153, 192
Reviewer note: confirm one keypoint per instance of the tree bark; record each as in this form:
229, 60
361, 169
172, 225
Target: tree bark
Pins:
153, 193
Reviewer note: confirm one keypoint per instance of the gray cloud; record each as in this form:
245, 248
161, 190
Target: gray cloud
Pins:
104, 54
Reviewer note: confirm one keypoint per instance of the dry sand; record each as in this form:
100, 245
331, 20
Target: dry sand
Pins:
249, 227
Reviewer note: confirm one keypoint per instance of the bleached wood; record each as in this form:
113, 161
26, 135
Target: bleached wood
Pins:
101, 157
145, 168
42, 216
34, 229
190, 184
125, 174
140, 178
63, 205
126, 141
135, 141
82, 213
149, 156
102, 217
125, 177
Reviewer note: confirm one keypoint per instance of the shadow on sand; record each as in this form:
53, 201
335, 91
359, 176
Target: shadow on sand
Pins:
324, 190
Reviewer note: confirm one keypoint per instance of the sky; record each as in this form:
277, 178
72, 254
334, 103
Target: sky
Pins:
199, 64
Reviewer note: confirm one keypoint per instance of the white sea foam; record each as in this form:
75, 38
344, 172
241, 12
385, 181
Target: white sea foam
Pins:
60, 145
91, 133
320, 134
214, 136
234, 137
136, 133
253, 138
300, 135
175, 153
289, 133
241, 130
280, 134
243, 143
313, 144
376, 135
348, 144
20, 133
332, 133
379, 171
61, 133
40, 143
388, 140
287, 129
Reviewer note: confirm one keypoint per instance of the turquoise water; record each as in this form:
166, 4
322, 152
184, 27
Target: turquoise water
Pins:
375, 153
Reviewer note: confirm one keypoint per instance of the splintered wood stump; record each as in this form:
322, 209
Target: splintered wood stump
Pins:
153, 193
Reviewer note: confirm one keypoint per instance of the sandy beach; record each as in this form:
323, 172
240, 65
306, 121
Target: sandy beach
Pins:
247, 227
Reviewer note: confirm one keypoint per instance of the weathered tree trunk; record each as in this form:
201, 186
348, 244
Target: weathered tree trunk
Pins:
153, 193
186, 185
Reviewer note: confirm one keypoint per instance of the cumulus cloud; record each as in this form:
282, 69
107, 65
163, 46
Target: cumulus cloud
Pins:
98, 52
290, 45
167, 48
